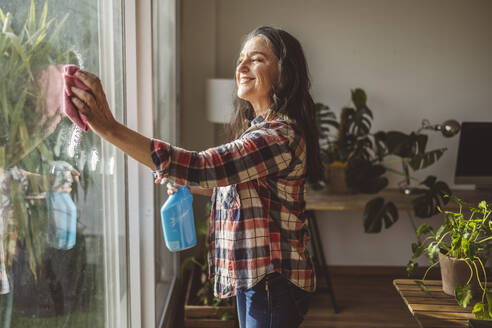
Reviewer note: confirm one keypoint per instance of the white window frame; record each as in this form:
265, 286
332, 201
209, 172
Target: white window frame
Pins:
141, 200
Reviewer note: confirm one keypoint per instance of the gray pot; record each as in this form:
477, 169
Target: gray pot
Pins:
455, 271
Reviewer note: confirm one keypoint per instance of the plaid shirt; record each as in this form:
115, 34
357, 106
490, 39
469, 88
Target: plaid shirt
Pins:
258, 223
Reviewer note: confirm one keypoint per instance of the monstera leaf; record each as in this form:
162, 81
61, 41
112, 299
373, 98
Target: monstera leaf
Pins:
325, 119
411, 146
421, 161
359, 98
364, 176
399, 143
359, 120
378, 211
380, 145
426, 204
363, 148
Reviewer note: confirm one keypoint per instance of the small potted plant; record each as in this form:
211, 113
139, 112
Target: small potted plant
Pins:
354, 159
202, 308
460, 246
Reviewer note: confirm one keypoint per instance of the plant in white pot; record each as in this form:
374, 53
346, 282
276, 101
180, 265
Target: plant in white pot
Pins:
460, 246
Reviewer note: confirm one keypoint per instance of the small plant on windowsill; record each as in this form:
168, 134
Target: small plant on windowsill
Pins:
460, 246
200, 289
355, 159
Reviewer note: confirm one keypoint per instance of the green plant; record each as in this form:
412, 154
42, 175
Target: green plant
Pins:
463, 237
364, 154
28, 57
205, 293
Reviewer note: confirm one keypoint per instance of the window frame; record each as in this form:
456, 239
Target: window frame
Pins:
142, 204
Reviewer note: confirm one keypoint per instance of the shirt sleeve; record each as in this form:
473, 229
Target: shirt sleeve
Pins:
261, 152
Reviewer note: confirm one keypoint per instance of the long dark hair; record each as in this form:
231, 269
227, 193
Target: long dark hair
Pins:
289, 97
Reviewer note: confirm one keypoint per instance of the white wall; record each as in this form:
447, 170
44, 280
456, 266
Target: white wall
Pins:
415, 58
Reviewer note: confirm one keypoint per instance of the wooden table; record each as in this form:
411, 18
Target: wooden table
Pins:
435, 311
322, 200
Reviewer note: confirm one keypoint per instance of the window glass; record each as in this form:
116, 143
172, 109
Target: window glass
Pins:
62, 201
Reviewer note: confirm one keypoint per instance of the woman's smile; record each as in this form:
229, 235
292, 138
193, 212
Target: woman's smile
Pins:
256, 73
245, 79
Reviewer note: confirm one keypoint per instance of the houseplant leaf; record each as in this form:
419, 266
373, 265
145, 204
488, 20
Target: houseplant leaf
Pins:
363, 149
417, 250
358, 121
423, 287
380, 144
463, 295
423, 229
398, 143
376, 212
480, 312
363, 176
424, 160
432, 252
411, 267
428, 201
359, 98
325, 119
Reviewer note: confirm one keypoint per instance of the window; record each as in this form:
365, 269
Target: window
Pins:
64, 255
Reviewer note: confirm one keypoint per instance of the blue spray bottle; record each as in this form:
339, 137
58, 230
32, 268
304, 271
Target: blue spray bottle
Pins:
178, 223
62, 211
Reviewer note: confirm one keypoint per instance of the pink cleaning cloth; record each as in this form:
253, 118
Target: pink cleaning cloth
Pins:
68, 107
51, 90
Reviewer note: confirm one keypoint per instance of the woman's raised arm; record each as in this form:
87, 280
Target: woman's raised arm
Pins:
101, 120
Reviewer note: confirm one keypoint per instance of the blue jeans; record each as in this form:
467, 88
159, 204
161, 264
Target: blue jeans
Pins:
274, 302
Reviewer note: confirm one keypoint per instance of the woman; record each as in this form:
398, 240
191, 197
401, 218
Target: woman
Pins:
259, 232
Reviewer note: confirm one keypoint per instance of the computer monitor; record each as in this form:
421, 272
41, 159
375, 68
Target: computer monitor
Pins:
474, 162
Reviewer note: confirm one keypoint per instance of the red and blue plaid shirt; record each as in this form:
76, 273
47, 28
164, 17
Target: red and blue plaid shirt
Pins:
258, 222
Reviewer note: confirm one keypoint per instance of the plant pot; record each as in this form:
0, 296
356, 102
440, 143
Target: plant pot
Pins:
455, 271
205, 315
335, 178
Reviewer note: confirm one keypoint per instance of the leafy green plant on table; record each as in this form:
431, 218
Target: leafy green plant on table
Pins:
466, 238
205, 293
29, 55
350, 141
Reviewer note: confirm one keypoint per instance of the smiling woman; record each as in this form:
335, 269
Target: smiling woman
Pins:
258, 229
256, 73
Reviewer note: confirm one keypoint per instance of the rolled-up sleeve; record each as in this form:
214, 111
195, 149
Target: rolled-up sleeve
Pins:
261, 152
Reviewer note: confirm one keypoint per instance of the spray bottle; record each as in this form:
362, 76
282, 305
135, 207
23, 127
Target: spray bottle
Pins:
178, 223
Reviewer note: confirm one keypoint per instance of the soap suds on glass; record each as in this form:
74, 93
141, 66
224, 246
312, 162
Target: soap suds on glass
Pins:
74, 141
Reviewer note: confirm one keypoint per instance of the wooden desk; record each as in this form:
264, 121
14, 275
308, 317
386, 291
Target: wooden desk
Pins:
437, 310
324, 201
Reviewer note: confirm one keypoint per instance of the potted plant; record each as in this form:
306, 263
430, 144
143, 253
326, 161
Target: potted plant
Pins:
202, 308
460, 246
359, 155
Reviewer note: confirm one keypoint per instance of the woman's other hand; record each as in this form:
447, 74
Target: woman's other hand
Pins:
95, 106
171, 188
